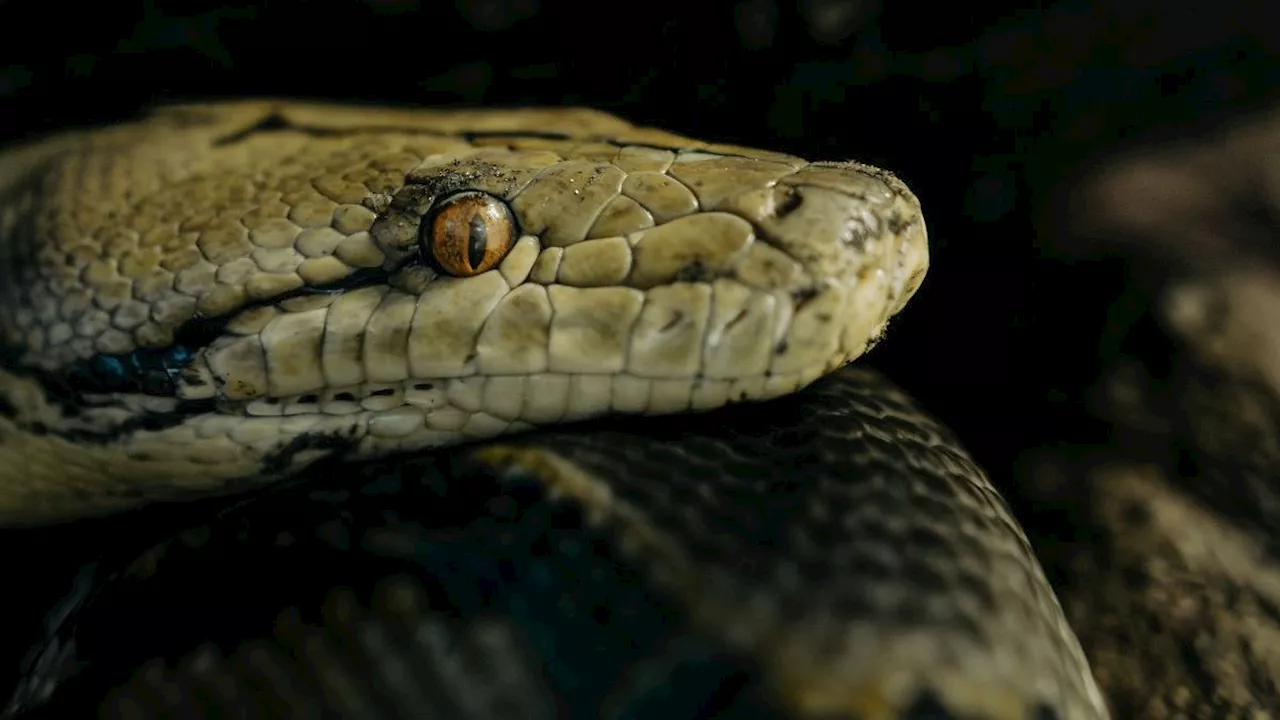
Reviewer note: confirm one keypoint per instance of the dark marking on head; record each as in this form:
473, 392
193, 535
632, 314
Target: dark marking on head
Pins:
791, 201
509, 135
742, 314
281, 459
675, 320
694, 271
145, 371
417, 198
857, 234
780, 348
145, 422
874, 340
597, 172
803, 296
420, 193
157, 371
191, 378
897, 224
423, 386
274, 122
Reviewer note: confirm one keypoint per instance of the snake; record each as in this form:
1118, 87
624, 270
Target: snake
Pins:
221, 297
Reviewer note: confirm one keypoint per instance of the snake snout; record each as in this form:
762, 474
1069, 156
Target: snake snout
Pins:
859, 239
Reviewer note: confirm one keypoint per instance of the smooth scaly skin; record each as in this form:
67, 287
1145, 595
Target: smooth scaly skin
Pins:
831, 554
655, 274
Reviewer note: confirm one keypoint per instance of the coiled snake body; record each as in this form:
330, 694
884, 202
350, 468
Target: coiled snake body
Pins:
224, 295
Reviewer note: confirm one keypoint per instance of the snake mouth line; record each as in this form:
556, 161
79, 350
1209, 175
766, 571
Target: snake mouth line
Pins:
156, 371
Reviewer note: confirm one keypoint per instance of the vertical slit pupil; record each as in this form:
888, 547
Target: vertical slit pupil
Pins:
479, 240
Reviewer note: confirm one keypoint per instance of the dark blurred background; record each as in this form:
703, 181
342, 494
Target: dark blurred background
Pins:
988, 112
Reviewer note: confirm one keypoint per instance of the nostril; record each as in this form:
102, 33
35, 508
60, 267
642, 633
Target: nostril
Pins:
787, 202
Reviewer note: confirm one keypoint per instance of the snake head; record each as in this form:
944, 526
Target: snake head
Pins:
238, 292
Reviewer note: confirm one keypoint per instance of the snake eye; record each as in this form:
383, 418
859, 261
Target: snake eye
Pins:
468, 233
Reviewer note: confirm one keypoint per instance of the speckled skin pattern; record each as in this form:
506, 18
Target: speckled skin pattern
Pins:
243, 287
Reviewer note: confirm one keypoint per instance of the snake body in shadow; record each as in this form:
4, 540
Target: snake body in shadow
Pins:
486, 414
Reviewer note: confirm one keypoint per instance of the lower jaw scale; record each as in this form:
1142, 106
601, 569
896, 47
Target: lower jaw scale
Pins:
540, 399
